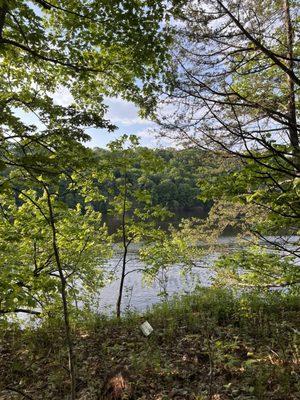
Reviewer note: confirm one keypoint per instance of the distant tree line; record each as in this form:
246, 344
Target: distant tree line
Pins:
174, 185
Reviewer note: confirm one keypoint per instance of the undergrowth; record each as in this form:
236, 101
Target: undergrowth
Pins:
213, 344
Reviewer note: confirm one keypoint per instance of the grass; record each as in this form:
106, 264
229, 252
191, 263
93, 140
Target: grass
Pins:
211, 345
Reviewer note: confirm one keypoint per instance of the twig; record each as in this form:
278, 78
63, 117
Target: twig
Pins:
20, 310
26, 396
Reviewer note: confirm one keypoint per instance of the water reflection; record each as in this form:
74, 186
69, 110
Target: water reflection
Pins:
139, 296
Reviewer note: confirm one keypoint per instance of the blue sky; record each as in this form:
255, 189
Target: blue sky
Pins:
125, 116
121, 113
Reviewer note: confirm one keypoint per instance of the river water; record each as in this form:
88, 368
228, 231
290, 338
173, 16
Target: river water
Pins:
139, 296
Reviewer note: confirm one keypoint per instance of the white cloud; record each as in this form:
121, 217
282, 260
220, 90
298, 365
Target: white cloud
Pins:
122, 112
63, 97
119, 111
151, 138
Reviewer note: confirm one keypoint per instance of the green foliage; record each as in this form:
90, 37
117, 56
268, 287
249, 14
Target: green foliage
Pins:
53, 241
172, 247
232, 89
29, 276
261, 207
274, 195
107, 45
170, 178
83, 50
258, 268
130, 201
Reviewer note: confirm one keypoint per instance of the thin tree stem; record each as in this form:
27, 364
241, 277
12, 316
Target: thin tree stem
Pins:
63, 297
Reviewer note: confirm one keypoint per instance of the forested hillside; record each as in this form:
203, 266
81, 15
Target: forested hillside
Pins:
174, 185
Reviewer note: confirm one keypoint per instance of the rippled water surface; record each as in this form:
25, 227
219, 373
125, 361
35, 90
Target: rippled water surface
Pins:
139, 296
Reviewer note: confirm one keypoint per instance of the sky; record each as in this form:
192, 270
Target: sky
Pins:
121, 113
125, 116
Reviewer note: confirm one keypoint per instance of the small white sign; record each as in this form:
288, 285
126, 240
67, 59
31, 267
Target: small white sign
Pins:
146, 328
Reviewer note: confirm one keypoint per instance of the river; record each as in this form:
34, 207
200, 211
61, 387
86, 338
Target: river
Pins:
139, 296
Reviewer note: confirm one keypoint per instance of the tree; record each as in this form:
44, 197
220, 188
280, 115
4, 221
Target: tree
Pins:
138, 219
233, 90
174, 186
222, 57
42, 226
49, 251
88, 49
106, 45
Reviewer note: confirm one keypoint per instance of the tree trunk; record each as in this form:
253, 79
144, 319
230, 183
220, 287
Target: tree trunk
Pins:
121, 283
125, 249
293, 131
63, 297
3, 12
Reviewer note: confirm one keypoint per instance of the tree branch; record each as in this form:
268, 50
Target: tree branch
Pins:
259, 45
20, 310
3, 12
44, 4
48, 6
36, 54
